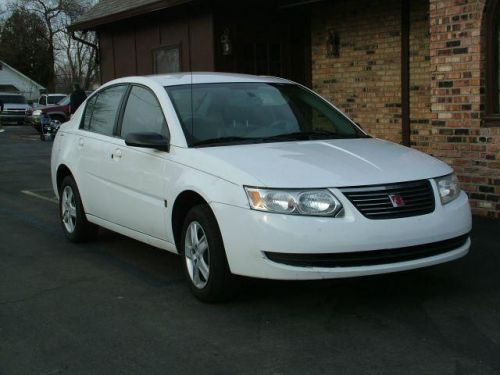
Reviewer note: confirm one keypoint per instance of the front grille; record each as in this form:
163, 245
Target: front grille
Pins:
374, 202
13, 112
368, 258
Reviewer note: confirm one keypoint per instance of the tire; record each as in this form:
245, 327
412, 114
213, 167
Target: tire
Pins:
220, 285
74, 223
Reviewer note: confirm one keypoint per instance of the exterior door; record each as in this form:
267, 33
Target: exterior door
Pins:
264, 40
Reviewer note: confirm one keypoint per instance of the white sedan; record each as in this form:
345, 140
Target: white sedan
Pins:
252, 176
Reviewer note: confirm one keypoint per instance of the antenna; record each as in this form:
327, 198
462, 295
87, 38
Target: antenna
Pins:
190, 66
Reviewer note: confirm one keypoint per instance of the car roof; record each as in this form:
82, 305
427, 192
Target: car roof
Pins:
202, 77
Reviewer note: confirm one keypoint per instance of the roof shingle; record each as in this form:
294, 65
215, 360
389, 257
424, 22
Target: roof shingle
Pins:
107, 11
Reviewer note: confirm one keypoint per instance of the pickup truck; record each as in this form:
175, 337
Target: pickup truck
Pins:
15, 108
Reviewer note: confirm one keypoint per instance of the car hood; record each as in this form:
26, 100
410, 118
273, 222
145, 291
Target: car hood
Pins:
325, 163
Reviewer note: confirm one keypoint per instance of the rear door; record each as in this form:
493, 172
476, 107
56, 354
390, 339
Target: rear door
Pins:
96, 144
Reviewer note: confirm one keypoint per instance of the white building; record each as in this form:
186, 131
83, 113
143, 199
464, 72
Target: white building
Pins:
13, 81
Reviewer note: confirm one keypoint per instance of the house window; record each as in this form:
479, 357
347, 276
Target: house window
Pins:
492, 16
167, 59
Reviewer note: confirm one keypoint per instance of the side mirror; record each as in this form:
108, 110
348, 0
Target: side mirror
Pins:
148, 140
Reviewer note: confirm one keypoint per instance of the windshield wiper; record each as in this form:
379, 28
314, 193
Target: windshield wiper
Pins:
309, 135
306, 136
222, 140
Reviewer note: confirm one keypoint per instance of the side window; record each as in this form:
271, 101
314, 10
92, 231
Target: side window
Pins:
105, 110
42, 100
143, 113
89, 109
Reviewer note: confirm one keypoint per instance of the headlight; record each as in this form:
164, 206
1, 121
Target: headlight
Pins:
448, 187
38, 112
294, 202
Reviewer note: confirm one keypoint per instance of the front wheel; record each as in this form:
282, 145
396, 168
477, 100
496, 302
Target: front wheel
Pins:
205, 262
75, 225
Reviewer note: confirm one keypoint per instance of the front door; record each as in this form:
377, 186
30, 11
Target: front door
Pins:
138, 174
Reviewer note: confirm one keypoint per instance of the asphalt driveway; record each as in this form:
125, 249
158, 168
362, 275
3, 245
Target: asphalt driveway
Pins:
116, 306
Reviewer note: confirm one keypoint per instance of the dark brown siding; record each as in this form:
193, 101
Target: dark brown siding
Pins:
173, 33
147, 38
125, 53
107, 59
202, 44
127, 48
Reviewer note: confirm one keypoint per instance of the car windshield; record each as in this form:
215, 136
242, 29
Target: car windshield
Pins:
64, 101
13, 99
234, 113
55, 99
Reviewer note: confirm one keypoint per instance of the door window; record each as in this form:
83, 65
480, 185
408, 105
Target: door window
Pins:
89, 109
105, 110
143, 113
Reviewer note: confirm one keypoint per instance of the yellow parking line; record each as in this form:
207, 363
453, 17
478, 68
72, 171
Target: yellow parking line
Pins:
32, 194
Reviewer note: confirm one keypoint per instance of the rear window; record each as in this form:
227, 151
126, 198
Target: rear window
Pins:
54, 99
64, 101
13, 99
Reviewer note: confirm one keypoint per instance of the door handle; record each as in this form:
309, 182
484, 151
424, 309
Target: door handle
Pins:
117, 154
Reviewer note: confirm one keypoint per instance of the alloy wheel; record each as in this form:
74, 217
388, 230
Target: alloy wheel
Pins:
68, 208
197, 255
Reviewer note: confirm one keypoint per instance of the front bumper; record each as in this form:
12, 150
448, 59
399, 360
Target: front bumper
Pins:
12, 117
249, 234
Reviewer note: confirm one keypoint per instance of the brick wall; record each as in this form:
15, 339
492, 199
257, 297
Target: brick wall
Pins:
420, 77
364, 80
446, 62
457, 56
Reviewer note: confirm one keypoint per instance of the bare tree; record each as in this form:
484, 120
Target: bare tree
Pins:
57, 15
76, 61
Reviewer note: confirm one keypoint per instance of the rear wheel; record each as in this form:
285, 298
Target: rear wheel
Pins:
75, 225
205, 262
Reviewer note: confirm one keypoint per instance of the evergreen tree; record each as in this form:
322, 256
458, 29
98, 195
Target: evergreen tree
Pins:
24, 46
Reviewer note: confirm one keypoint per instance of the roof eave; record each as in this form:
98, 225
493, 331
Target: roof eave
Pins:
96, 23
